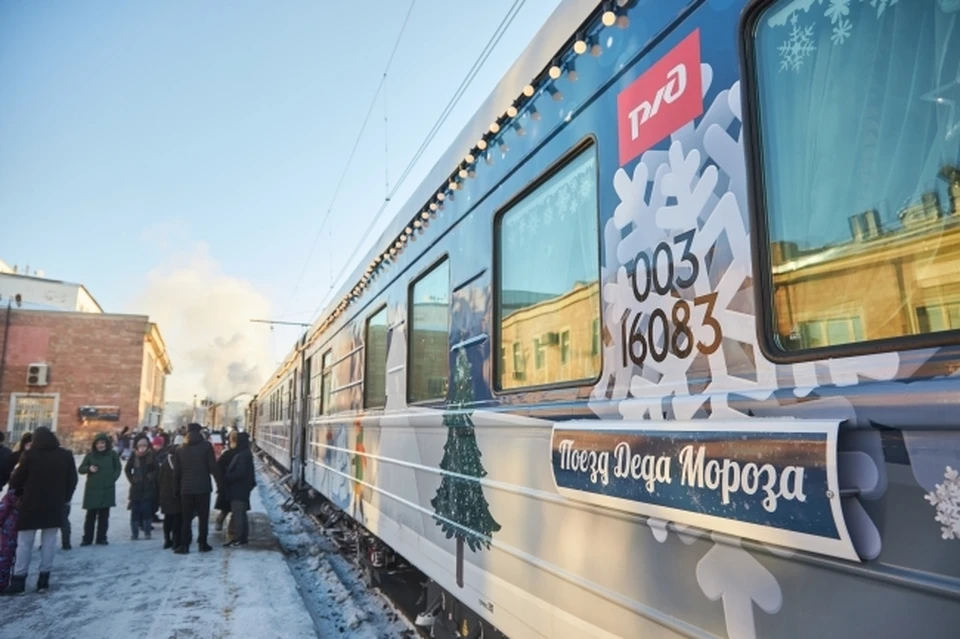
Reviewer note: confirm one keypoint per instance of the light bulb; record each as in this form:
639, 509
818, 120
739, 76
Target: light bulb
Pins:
425, 215
433, 206
554, 72
453, 187
463, 173
494, 128
482, 144
511, 112
609, 17
441, 196
528, 90
580, 47
469, 159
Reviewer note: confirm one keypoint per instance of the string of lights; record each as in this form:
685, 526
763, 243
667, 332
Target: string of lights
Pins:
613, 13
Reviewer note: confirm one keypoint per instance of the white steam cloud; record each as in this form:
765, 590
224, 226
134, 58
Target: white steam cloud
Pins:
204, 317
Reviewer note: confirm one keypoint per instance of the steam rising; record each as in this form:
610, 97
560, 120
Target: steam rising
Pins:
204, 317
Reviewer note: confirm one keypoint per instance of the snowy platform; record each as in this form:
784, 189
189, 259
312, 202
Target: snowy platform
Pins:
137, 589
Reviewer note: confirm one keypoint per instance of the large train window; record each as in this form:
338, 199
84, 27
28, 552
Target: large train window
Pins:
429, 361
548, 279
853, 128
375, 360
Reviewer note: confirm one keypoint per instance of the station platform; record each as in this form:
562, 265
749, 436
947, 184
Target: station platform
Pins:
136, 589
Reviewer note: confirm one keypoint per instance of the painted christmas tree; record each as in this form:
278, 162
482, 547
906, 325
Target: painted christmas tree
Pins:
459, 506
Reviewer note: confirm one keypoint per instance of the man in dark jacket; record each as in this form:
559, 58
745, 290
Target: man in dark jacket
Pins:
47, 476
241, 480
195, 463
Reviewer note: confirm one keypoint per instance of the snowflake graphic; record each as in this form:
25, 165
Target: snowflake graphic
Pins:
946, 499
837, 10
841, 32
797, 47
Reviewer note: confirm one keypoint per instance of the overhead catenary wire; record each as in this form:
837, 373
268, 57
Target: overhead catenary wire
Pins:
465, 83
353, 151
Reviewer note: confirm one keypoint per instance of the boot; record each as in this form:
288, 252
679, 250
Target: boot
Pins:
43, 583
17, 586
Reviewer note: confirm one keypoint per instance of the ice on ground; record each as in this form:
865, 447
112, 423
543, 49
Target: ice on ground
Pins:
135, 588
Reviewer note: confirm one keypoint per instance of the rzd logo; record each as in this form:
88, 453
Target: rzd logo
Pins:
669, 93
667, 96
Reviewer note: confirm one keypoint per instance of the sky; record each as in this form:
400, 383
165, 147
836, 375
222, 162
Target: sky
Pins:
177, 158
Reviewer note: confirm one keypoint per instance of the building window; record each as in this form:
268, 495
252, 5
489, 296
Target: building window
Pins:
565, 347
430, 335
375, 358
939, 317
872, 224
28, 412
326, 378
548, 274
517, 361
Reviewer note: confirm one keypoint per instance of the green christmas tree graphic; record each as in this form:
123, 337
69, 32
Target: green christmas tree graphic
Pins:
460, 508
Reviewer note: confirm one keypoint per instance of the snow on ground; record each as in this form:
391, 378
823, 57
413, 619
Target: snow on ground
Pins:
135, 588
334, 589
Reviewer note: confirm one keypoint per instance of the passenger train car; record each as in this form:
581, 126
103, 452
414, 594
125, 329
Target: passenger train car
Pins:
667, 343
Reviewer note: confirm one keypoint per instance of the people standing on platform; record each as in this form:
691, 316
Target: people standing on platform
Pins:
103, 468
47, 477
24, 444
169, 499
123, 440
141, 471
5, 454
241, 480
223, 500
157, 441
195, 463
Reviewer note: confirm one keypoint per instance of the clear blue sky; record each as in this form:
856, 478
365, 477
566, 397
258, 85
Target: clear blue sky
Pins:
130, 133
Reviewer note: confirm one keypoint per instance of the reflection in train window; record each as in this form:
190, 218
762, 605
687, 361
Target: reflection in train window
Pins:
375, 361
326, 377
429, 335
548, 295
864, 234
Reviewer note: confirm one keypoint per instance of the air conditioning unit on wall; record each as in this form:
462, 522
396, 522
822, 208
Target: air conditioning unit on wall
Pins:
38, 374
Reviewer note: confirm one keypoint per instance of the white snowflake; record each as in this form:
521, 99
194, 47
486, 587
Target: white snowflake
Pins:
797, 47
841, 32
837, 10
946, 499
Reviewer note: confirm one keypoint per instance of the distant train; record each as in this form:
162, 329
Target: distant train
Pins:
666, 344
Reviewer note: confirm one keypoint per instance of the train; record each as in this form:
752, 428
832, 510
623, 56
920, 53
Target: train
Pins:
666, 343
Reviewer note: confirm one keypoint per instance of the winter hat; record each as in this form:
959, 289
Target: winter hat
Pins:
194, 427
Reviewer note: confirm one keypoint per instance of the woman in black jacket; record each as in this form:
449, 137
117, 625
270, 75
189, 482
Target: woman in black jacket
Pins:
45, 477
223, 502
240, 480
142, 471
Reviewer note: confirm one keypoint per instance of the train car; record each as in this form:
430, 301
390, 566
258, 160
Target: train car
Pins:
666, 344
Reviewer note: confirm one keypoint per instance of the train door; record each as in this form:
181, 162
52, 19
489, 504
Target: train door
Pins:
302, 423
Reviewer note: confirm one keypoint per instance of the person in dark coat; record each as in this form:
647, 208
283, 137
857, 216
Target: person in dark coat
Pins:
24, 444
141, 471
5, 454
240, 481
47, 475
194, 464
223, 501
102, 467
169, 500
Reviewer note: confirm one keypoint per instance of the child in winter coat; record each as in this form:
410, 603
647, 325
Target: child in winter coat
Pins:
102, 467
142, 473
9, 515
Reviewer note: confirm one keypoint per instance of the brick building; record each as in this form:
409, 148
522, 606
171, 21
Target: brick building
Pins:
79, 373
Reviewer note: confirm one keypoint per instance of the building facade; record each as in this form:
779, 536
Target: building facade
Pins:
80, 373
40, 293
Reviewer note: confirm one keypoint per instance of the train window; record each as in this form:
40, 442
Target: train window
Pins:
429, 367
326, 378
375, 360
548, 278
857, 242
